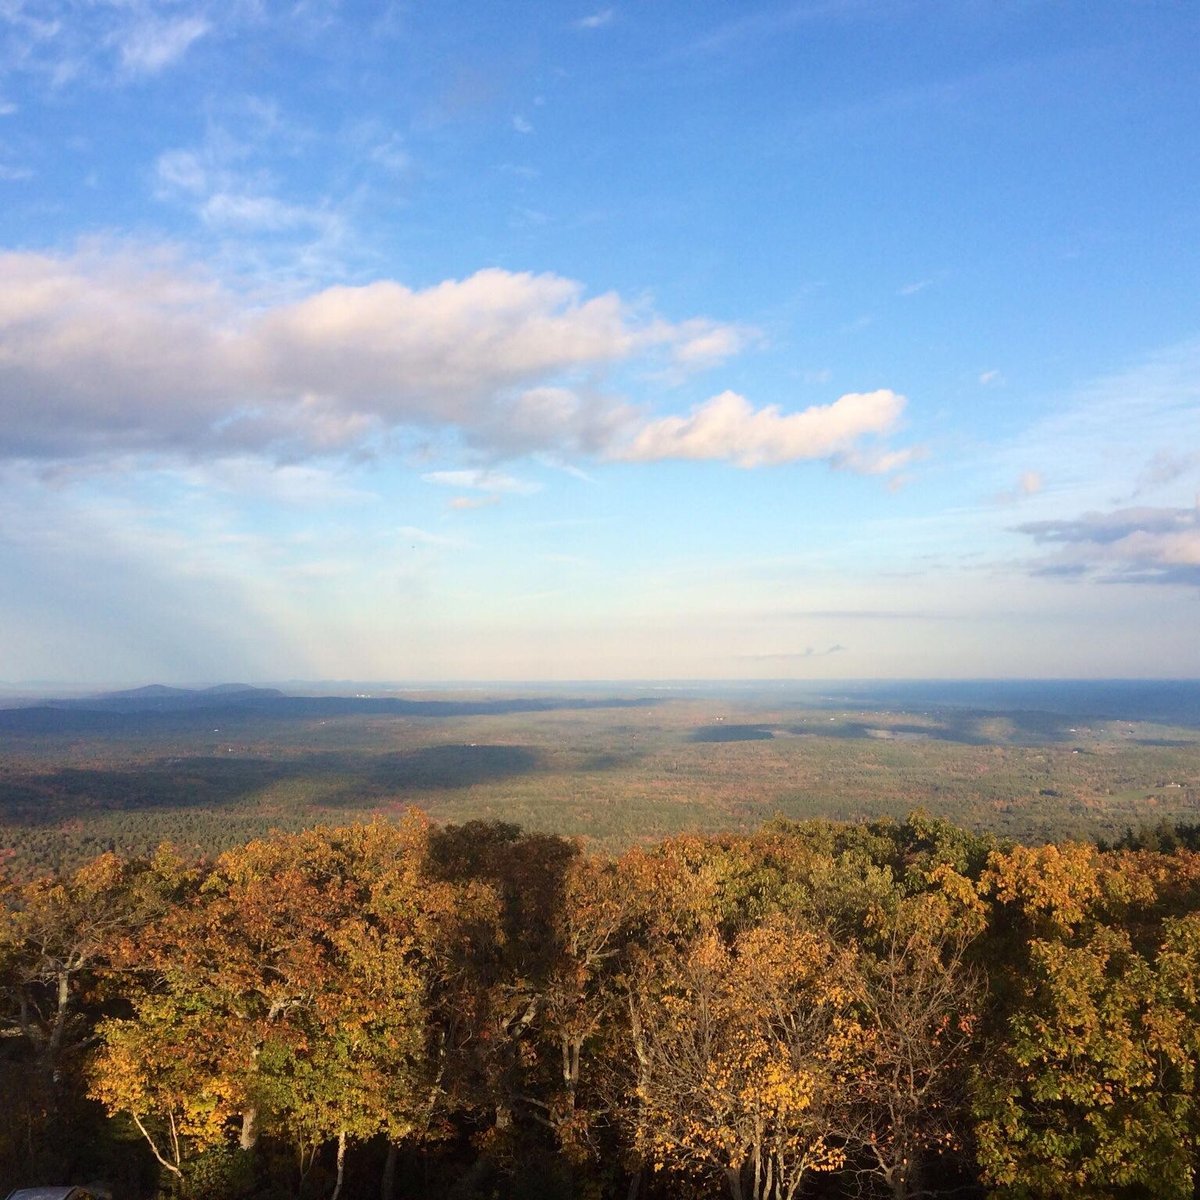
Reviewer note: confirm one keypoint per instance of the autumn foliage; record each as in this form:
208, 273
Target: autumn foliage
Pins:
819, 1009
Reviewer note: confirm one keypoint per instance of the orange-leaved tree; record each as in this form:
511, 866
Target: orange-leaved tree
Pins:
309, 962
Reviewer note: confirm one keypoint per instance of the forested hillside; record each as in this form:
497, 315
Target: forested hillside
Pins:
405, 1009
209, 775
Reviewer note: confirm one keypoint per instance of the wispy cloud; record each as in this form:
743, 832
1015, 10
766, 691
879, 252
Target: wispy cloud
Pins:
793, 656
153, 43
1166, 467
74, 41
597, 20
227, 197
483, 481
1029, 483
766, 23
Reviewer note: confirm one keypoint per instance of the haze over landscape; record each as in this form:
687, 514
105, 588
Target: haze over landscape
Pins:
540, 341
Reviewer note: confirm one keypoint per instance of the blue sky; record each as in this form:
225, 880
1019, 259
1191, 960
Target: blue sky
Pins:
645, 340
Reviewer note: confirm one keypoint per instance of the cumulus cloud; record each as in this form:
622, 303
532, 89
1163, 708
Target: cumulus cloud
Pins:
728, 427
1127, 545
104, 353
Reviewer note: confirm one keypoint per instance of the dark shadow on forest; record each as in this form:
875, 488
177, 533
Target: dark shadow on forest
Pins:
452, 766
960, 734
962, 727
351, 781
732, 733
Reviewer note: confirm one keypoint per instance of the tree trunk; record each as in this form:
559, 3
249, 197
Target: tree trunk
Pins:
635, 1185
734, 1175
387, 1185
341, 1165
248, 1138
54, 1045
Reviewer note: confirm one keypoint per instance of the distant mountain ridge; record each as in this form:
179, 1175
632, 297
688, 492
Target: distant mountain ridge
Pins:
159, 704
158, 695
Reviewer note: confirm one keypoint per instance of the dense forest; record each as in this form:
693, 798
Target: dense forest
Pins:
402, 1009
631, 770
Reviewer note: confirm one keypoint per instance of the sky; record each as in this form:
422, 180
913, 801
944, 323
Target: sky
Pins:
666, 339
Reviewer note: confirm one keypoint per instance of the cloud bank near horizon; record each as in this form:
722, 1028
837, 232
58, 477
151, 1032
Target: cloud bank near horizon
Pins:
1127, 545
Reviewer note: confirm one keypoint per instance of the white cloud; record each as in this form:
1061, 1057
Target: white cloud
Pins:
182, 170
108, 352
482, 481
229, 198
132, 351
154, 43
296, 484
878, 462
522, 124
988, 377
596, 20
702, 344
728, 427
83, 41
247, 213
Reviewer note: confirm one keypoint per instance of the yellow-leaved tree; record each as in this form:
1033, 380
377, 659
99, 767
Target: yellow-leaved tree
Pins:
737, 1042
